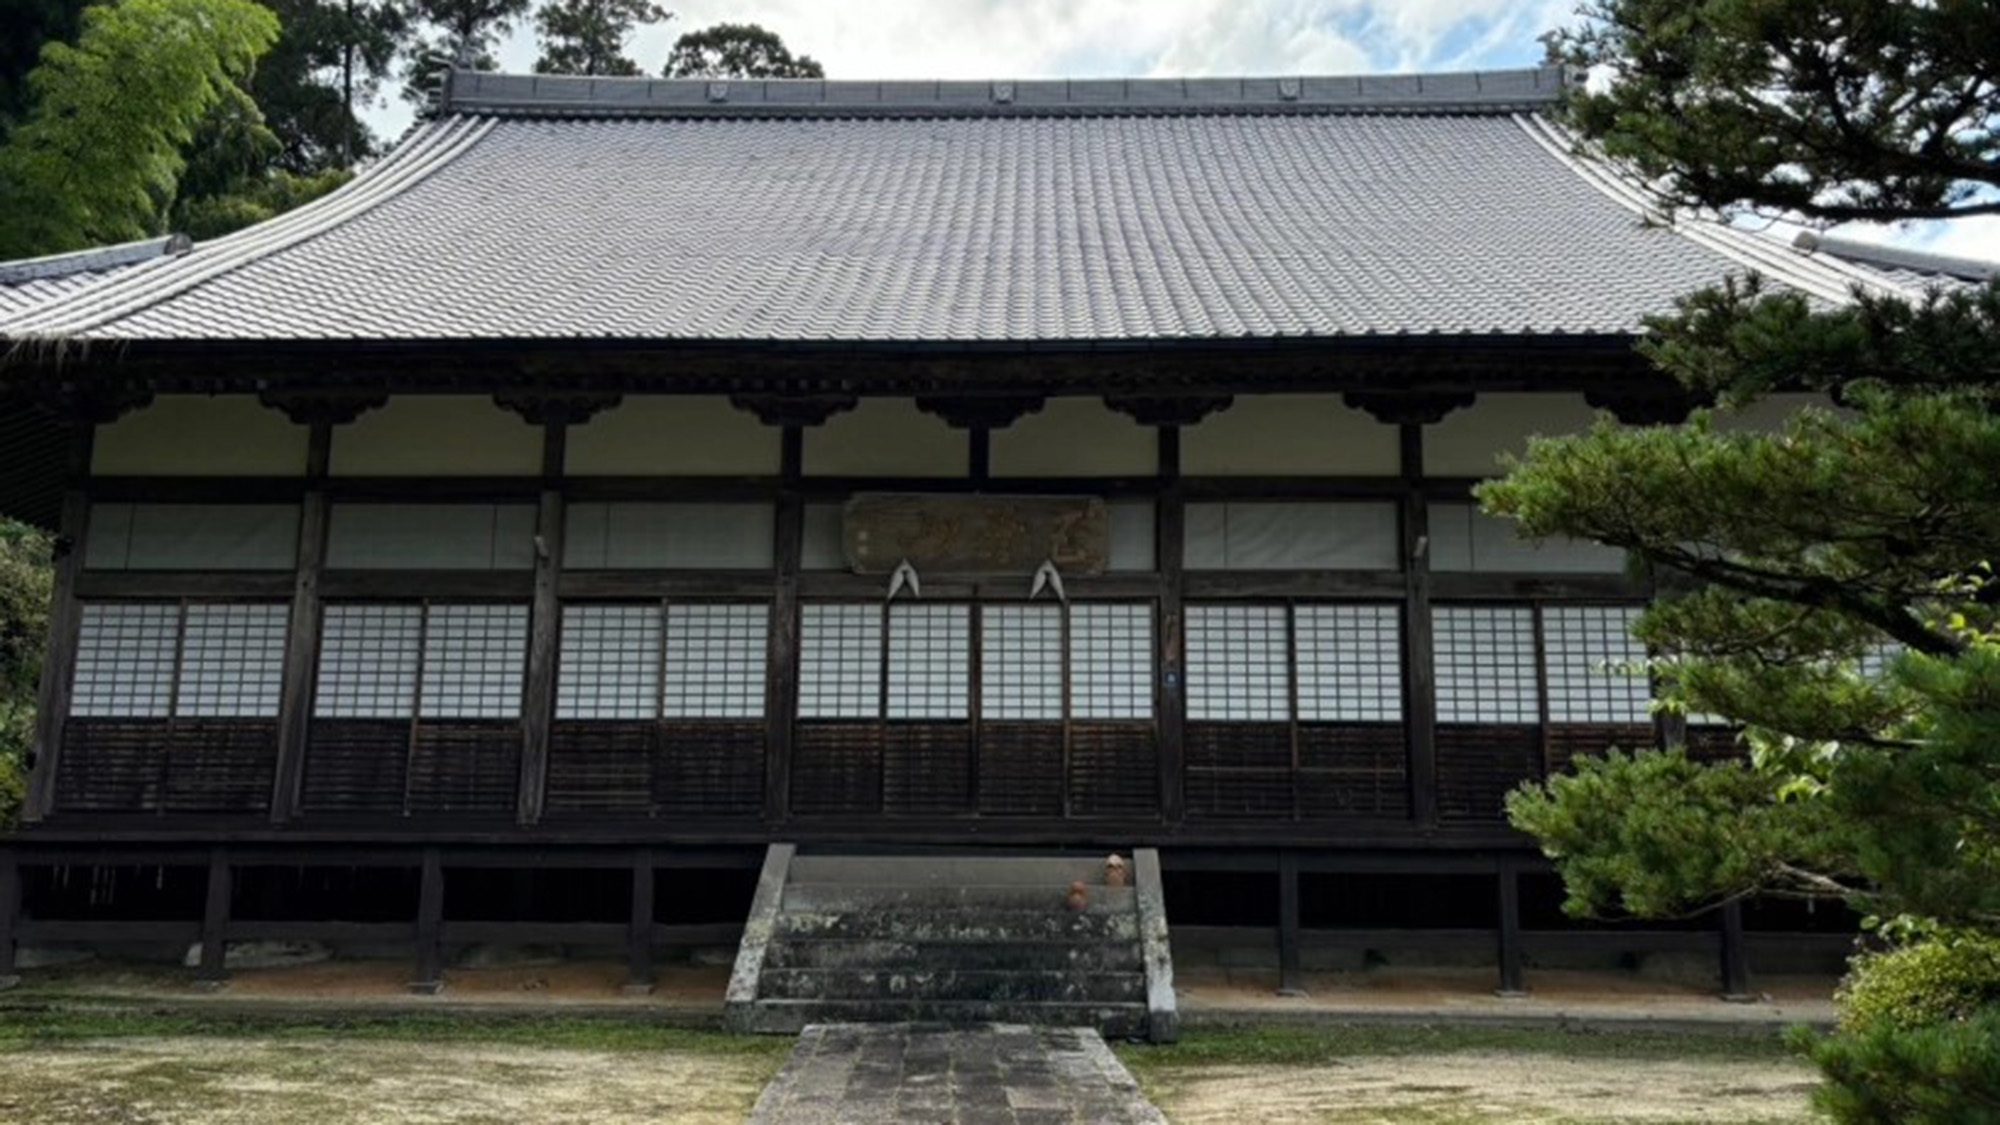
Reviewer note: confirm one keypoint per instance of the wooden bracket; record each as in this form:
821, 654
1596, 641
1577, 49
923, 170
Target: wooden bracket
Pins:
980, 412
794, 410
1392, 408
323, 408
1645, 408
1168, 410
546, 408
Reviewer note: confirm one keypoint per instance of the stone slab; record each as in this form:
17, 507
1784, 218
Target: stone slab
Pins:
919, 1074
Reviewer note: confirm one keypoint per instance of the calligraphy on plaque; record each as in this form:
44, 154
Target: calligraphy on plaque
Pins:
947, 534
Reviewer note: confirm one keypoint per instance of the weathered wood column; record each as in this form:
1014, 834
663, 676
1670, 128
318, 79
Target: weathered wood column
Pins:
215, 920
639, 936
791, 415
1734, 953
1508, 932
86, 412
430, 926
1289, 956
1410, 414
10, 916
321, 413
555, 414
1170, 416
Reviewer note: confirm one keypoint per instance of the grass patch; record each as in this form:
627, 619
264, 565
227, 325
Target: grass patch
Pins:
26, 1028
1314, 1046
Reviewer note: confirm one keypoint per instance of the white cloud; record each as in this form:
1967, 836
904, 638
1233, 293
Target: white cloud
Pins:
1097, 38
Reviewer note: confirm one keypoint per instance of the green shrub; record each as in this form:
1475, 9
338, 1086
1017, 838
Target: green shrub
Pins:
1944, 1074
13, 789
1942, 979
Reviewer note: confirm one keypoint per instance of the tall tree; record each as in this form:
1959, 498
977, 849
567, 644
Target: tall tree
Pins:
29, 24
588, 36
327, 66
101, 155
454, 32
1798, 561
737, 50
24, 610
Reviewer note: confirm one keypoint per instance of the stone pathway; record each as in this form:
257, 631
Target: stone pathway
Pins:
917, 1074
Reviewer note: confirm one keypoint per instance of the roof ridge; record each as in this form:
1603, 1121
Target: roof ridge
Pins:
1896, 257
122, 296
1457, 92
92, 258
1816, 278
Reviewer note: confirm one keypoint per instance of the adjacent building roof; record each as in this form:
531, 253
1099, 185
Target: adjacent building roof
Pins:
538, 207
30, 282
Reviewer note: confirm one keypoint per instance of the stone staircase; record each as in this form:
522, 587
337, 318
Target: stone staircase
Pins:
956, 940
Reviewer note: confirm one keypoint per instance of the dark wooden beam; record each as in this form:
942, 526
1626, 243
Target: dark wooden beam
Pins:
1508, 933
1289, 982
302, 637
1419, 661
639, 937
781, 692
65, 620
1170, 534
430, 926
538, 699
215, 920
1735, 957
10, 916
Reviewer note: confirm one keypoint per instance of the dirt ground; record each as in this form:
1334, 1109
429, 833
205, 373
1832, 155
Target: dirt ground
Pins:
1488, 1088
226, 1081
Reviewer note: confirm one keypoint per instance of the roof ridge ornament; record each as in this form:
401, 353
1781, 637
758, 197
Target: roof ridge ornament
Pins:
1289, 89
718, 92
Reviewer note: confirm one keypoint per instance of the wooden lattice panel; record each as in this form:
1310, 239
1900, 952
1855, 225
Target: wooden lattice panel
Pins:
1114, 770
1237, 770
836, 768
356, 765
1570, 741
710, 769
601, 768
1477, 765
110, 766
927, 768
1353, 770
465, 768
1020, 769
221, 765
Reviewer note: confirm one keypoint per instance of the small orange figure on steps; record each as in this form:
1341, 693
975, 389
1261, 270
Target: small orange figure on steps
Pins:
1079, 895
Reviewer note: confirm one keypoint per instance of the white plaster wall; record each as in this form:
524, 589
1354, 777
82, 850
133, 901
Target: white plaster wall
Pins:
668, 435
1289, 435
437, 435
1469, 442
195, 435
1075, 437
886, 437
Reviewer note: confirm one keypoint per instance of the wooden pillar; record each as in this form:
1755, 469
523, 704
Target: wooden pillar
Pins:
639, 940
1509, 930
1289, 983
10, 914
1735, 956
1419, 658
302, 635
1171, 536
430, 926
538, 700
215, 921
782, 659
65, 622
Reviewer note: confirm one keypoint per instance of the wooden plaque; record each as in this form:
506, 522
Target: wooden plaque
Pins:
952, 534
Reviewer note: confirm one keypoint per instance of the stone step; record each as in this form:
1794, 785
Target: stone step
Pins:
969, 926
931, 871
789, 1017
843, 897
1050, 956
952, 984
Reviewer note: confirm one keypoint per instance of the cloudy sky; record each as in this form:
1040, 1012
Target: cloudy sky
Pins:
1141, 38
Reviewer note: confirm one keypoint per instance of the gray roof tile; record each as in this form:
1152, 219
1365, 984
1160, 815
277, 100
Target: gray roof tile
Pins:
1137, 225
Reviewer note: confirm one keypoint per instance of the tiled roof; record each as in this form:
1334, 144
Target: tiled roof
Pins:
1916, 269
952, 213
33, 281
